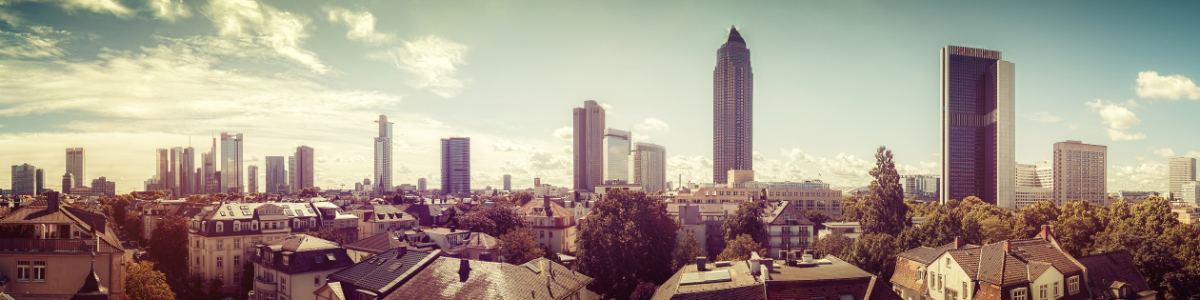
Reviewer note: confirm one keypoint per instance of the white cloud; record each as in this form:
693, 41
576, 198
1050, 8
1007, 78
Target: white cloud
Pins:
1174, 87
44, 42
1118, 118
170, 10
358, 158
433, 60
1042, 116
509, 146
1193, 154
362, 25
251, 158
638, 136
652, 124
97, 6
846, 170
921, 168
564, 133
1165, 152
323, 159
11, 18
694, 169
1145, 175
280, 31
795, 155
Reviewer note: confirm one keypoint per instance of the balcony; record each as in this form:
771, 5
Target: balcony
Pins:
54, 245
262, 286
785, 233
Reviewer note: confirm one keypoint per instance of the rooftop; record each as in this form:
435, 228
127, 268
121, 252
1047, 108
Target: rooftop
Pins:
452, 278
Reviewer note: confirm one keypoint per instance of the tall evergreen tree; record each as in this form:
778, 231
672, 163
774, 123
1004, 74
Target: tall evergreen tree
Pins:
885, 208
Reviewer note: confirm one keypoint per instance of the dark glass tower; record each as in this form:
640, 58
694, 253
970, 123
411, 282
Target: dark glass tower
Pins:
456, 166
733, 108
977, 107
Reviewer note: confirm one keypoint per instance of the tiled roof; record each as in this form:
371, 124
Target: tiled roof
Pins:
376, 243
926, 255
1107, 268
988, 292
780, 216
479, 240
996, 266
1036, 268
310, 254
383, 271
909, 275
538, 279
742, 285
557, 209
1036, 249
968, 259
36, 212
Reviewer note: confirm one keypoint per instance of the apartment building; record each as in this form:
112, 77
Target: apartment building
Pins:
221, 237
552, 224
787, 230
294, 267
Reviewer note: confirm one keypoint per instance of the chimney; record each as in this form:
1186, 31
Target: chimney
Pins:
401, 250
958, 242
52, 202
464, 270
1007, 247
701, 263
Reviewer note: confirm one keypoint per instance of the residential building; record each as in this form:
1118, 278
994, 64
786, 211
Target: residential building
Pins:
473, 279
377, 276
24, 180
552, 224
711, 216
648, 167
787, 230
45, 257
276, 175
252, 179
978, 133
221, 237
588, 145
385, 218
433, 214
616, 185
154, 211
383, 155
765, 278
690, 221
616, 154
921, 187
332, 217
507, 183
733, 108
1187, 214
76, 165
304, 167
368, 247
294, 267
232, 178
456, 166
852, 230
1189, 193
1079, 172
813, 194
1182, 169
1114, 275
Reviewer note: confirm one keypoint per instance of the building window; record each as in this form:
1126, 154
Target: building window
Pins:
237, 261
1043, 292
848, 297
1073, 284
237, 243
220, 245
237, 277
1057, 290
237, 225
220, 227
966, 291
220, 262
283, 280
930, 279
23, 270
1019, 294
551, 234
541, 234
317, 280
285, 260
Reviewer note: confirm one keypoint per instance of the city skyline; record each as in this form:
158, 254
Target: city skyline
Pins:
324, 84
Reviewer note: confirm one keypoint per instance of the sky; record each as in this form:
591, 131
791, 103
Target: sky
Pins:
834, 80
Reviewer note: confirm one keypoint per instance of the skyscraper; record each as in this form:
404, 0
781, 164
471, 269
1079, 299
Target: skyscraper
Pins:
648, 167
733, 108
507, 183
588, 147
232, 178
291, 179
456, 166
24, 180
210, 182
383, 156
164, 169
1079, 172
67, 183
420, 184
616, 155
40, 181
276, 175
920, 187
978, 137
1034, 183
252, 179
1182, 169
76, 166
304, 167
187, 171
175, 181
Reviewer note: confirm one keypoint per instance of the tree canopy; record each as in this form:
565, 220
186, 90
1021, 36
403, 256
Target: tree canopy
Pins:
495, 220
627, 238
875, 253
519, 246
169, 243
142, 282
884, 208
746, 220
687, 251
740, 248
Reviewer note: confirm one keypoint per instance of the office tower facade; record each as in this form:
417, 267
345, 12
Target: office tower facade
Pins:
76, 166
187, 170
24, 180
67, 183
102, 187
507, 183
1034, 182
1181, 170
211, 183
163, 162
733, 108
588, 146
304, 167
40, 181
616, 154
276, 175
978, 137
648, 167
232, 178
1189, 193
291, 179
383, 156
420, 184
175, 180
920, 187
1079, 172
456, 166
252, 179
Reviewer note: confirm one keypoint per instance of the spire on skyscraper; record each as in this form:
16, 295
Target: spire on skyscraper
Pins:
734, 36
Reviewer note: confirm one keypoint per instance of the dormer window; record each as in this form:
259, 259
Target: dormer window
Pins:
285, 260
254, 225
220, 227
237, 226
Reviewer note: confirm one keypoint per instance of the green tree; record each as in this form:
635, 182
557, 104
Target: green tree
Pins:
549, 254
168, 244
644, 291
875, 253
1078, 225
133, 225
215, 286
142, 282
986, 223
885, 211
308, 192
740, 248
818, 217
495, 220
852, 209
1150, 236
746, 220
328, 234
627, 238
519, 247
1031, 218
687, 251
119, 206
833, 244
520, 198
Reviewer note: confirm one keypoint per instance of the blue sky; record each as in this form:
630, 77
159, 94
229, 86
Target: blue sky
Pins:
833, 81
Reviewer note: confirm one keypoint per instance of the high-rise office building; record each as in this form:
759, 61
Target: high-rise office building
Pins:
383, 156
24, 180
232, 178
276, 175
210, 182
978, 137
176, 169
76, 166
1182, 169
1079, 172
648, 167
40, 181
420, 184
67, 183
587, 145
456, 166
616, 155
733, 108
920, 187
252, 179
304, 167
102, 187
187, 170
164, 169
292, 175
1034, 183
507, 183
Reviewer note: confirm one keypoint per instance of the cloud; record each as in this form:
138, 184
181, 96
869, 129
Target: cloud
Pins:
509, 146
169, 10
795, 155
357, 158
97, 6
694, 169
1193, 154
652, 124
281, 32
433, 60
564, 133
922, 168
1118, 118
1044, 117
44, 42
362, 25
1174, 87
251, 158
323, 159
1165, 152
11, 18
846, 170
1146, 175
638, 136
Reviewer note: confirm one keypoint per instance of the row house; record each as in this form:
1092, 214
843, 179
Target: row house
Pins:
552, 224
293, 268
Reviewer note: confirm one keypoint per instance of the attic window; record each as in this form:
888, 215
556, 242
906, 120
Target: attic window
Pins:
229, 207
222, 214
394, 266
243, 207
317, 259
330, 256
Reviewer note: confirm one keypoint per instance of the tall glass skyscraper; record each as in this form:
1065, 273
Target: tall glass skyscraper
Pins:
456, 166
76, 166
383, 156
276, 175
304, 168
231, 164
733, 108
616, 155
588, 146
648, 167
978, 137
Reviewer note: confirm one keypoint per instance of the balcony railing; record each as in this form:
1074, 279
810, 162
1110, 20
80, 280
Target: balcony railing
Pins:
53, 245
262, 285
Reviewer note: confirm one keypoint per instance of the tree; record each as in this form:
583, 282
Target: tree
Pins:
520, 198
885, 211
495, 220
818, 217
215, 286
986, 223
740, 248
1031, 218
687, 251
169, 243
644, 291
142, 282
549, 254
746, 220
833, 244
519, 247
308, 192
118, 207
1078, 225
1151, 237
133, 225
852, 209
627, 238
874, 253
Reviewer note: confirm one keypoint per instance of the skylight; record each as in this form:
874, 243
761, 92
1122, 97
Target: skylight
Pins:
690, 278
